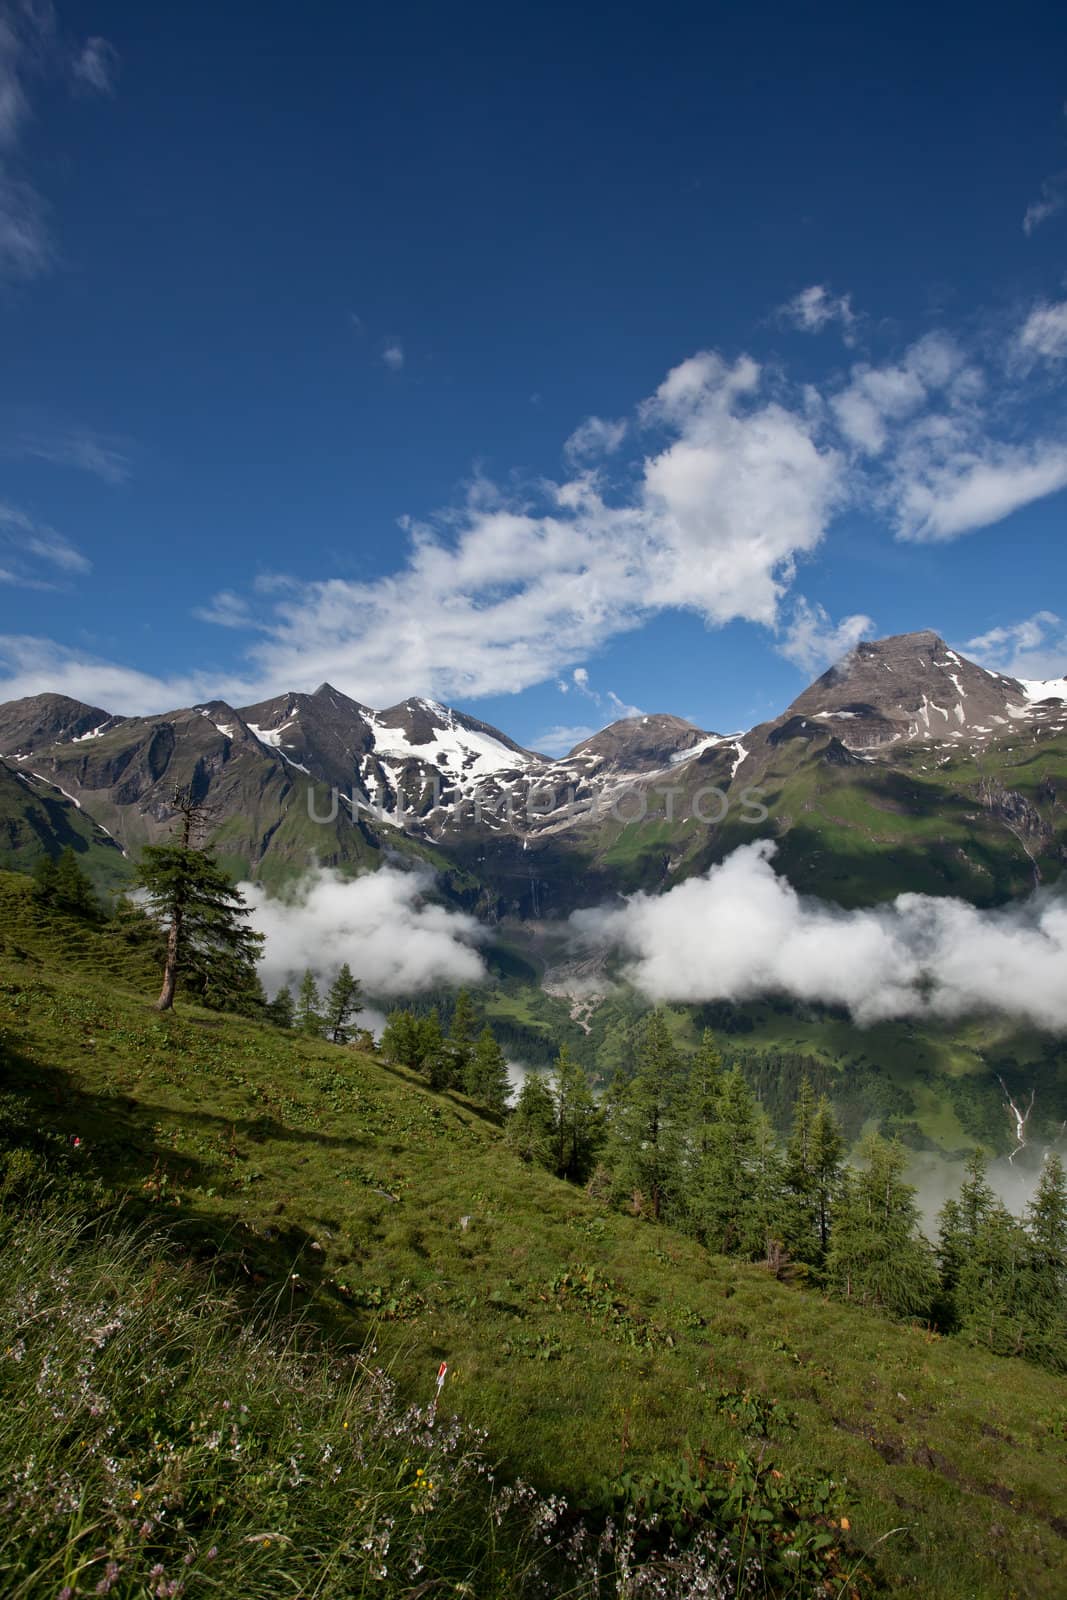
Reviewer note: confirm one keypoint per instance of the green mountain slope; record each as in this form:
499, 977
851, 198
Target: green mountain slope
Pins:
37, 819
589, 1343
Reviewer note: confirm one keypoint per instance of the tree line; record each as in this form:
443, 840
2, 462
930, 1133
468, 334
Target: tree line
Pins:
684, 1141
677, 1138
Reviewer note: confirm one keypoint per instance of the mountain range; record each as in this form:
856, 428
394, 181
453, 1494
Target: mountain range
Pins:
905, 766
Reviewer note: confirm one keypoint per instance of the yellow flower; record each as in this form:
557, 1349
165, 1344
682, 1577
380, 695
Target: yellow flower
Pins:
845, 1523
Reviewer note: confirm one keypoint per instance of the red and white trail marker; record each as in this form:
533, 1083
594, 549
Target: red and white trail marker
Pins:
442, 1373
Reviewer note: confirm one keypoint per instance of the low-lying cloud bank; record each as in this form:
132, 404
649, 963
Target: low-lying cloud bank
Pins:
395, 940
741, 931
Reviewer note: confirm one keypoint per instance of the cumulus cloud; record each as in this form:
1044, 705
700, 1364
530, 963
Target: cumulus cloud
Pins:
1044, 333
1036, 647
815, 308
813, 641
393, 356
740, 931
395, 939
728, 477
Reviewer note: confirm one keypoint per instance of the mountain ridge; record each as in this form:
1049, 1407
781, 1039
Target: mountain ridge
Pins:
627, 807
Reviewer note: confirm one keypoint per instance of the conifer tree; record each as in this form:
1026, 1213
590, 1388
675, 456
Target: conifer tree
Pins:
281, 1010
811, 1174
309, 1005
576, 1120
531, 1127
342, 1004
701, 1097
877, 1257
189, 894
461, 1035
728, 1214
645, 1153
401, 1040
487, 1075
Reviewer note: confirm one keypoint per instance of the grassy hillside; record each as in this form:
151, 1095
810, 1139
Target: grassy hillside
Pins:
588, 1343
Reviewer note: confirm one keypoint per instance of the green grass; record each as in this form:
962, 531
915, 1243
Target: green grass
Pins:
274, 1156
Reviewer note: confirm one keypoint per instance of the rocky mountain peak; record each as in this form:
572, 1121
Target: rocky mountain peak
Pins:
42, 720
638, 744
910, 687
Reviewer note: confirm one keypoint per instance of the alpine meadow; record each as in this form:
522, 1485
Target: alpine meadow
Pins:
533, 854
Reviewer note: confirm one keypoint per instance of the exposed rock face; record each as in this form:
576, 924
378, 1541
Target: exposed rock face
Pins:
47, 719
637, 744
913, 687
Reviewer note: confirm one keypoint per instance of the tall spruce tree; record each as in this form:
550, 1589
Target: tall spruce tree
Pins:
531, 1127
577, 1123
730, 1208
187, 892
281, 1011
812, 1175
646, 1142
462, 1032
877, 1256
342, 1004
309, 1005
487, 1075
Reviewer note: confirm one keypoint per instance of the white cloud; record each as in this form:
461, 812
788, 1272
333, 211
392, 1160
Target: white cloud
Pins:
30, 665
29, 49
1033, 648
815, 308
78, 447
729, 478
595, 437
34, 542
943, 492
813, 641
393, 356
561, 739
740, 931
1052, 201
395, 939
226, 610
96, 65
1044, 333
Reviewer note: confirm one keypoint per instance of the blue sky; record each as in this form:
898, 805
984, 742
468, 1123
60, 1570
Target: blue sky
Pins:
303, 323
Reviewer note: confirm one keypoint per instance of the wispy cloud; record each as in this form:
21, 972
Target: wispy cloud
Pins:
96, 66
1044, 333
812, 640
594, 438
31, 49
1049, 204
816, 308
33, 542
77, 447
1036, 647
561, 739
393, 356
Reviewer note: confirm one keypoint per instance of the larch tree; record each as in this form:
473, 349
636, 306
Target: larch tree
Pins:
342, 1004
187, 893
487, 1075
309, 1005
